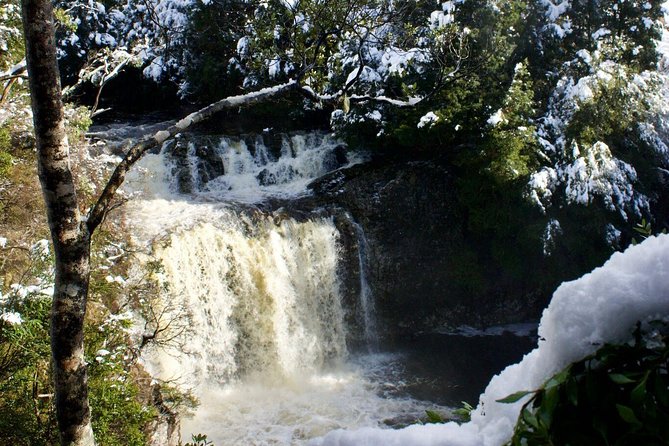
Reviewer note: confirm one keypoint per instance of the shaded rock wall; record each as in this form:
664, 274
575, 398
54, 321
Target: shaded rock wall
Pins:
426, 271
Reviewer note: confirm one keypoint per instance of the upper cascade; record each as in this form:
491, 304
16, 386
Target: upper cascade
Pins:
253, 168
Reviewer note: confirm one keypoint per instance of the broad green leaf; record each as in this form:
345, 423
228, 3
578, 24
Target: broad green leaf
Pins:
620, 378
627, 414
558, 379
514, 397
639, 392
530, 419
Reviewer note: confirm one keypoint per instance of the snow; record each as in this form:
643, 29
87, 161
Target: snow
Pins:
552, 230
366, 75
496, 118
600, 307
439, 19
585, 56
11, 318
601, 32
582, 89
115, 279
555, 10
396, 61
612, 235
428, 120
40, 248
596, 173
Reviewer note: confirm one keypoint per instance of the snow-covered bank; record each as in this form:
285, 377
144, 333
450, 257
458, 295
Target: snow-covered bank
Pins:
600, 307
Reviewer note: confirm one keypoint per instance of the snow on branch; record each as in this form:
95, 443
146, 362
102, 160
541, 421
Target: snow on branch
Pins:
335, 98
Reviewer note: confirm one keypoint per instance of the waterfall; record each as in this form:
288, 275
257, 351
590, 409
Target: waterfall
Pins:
250, 169
366, 297
252, 297
260, 299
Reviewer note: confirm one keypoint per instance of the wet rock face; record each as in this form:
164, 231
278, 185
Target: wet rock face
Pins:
423, 268
194, 162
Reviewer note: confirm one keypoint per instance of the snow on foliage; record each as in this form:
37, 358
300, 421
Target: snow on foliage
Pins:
597, 173
10, 19
541, 187
152, 31
496, 118
552, 230
600, 307
557, 24
428, 120
587, 171
11, 318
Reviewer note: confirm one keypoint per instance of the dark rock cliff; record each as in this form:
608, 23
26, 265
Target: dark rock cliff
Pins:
426, 272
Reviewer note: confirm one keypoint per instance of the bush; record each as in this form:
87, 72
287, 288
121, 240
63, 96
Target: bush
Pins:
5, 164
619, 395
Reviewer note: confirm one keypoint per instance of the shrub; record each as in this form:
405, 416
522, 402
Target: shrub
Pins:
619, 395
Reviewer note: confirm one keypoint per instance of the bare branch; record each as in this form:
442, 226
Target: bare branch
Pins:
11, 77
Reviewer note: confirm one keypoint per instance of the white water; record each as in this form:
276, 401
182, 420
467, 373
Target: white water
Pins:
253, 172
366, 296
259, 332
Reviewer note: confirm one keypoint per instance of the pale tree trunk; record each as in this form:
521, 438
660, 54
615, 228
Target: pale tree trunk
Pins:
71, 239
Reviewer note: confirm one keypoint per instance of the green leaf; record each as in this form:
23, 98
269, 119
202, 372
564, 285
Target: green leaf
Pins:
627, 414
620, 378
434, 417
514, 397
530, 418
558, 379
548, 404
639, 392
572, 391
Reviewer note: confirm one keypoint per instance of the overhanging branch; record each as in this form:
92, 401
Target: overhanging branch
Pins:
334, 99
103, 204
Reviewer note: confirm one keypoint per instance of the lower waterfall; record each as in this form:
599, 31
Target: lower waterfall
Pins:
258, 329
262, 299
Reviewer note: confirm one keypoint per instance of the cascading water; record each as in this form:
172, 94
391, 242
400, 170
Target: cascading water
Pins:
261, 337
366, 296
261, 299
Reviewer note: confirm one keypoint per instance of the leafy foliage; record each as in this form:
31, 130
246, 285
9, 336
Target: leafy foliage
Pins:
11, 35
619, 395
199, 440
464, 412
27, 413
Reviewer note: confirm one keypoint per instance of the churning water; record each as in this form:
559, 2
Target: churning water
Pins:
260, 336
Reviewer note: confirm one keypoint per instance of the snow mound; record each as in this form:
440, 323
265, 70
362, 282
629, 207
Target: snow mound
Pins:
600, 307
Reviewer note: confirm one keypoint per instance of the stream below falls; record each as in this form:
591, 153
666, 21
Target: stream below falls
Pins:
261, 330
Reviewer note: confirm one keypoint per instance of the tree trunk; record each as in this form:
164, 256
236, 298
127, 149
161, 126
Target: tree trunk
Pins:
71, 239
